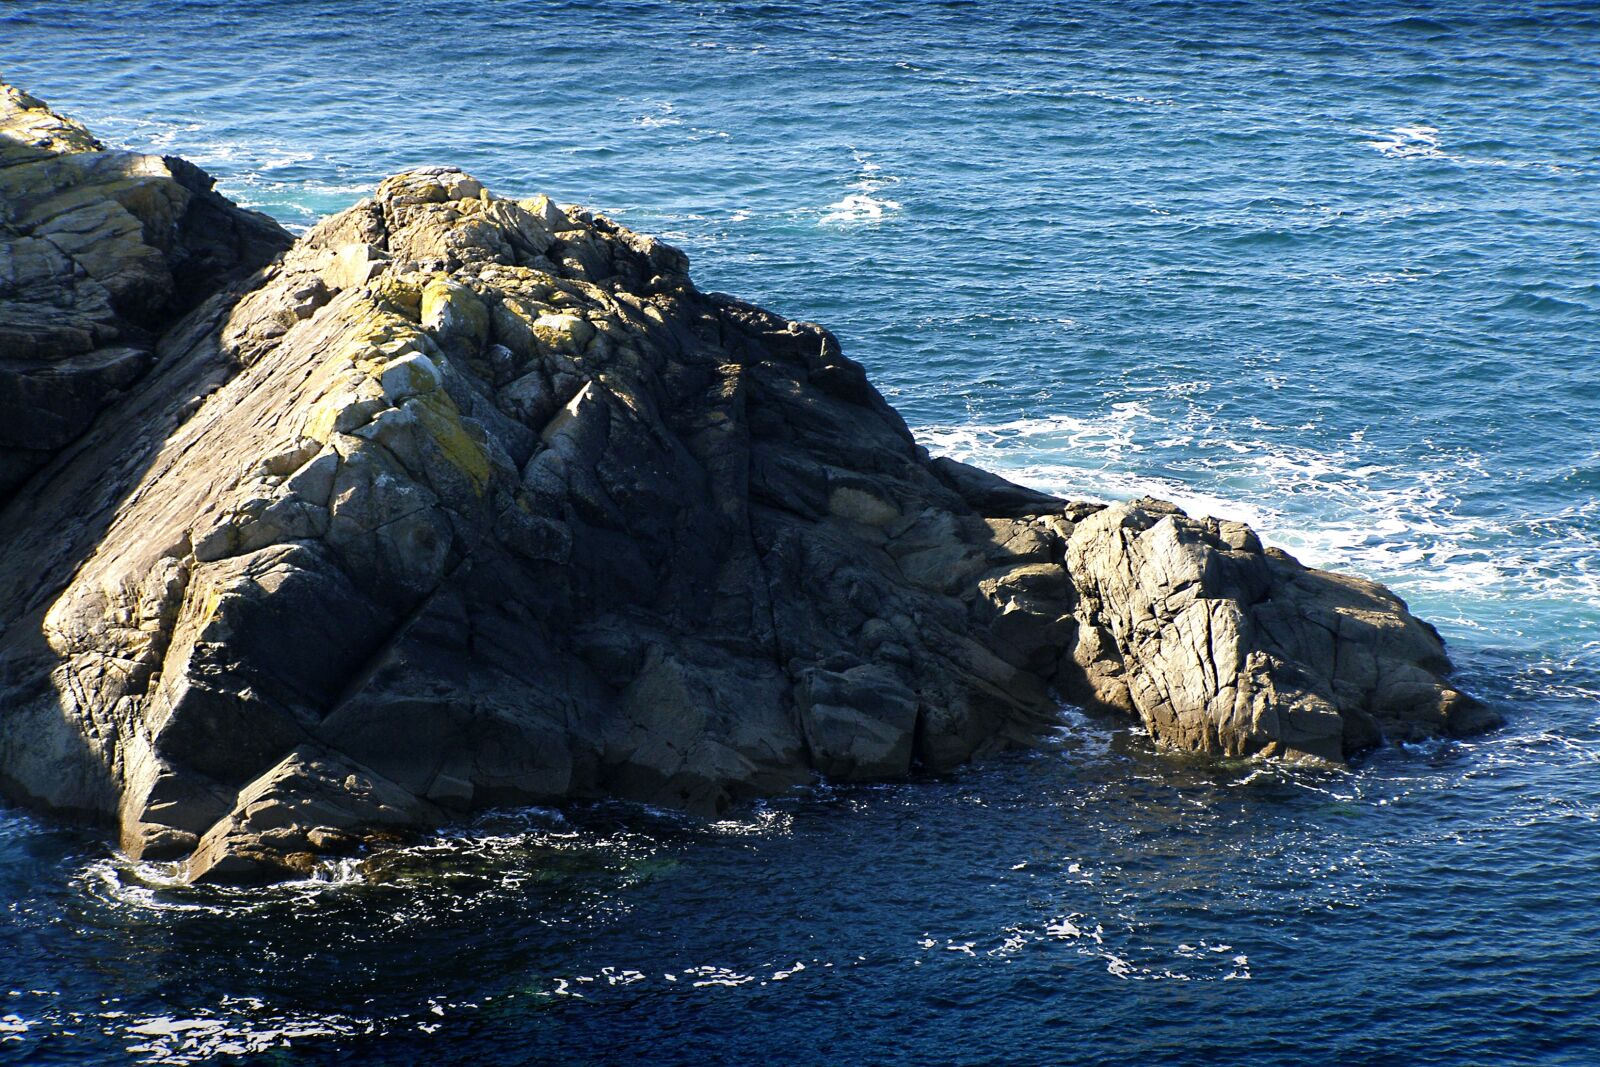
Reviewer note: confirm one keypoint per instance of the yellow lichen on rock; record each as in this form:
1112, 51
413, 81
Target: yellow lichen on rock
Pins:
441, 420
30, 130
410, 375
453, 312
400, 293
563, 332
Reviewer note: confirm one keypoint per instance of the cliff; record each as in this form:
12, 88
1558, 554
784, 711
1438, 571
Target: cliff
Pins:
468, 501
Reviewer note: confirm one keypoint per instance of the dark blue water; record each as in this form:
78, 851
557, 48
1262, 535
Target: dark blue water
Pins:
1331, 268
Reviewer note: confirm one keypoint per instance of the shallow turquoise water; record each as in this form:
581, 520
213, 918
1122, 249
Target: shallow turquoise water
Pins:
1331, 268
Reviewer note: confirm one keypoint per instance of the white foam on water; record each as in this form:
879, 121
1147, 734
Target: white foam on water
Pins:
761, 820
717, 976
160, 887
190, 138
238, 1027
863, 204
1078, 458
142, 886
1120, 946
1421, 141
142, 134
708, 978
1407, 142
294, 192
660, 115
1086, 736
1400, 524
857, 207
255, 174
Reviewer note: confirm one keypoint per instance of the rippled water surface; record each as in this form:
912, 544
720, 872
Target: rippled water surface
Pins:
1330, 268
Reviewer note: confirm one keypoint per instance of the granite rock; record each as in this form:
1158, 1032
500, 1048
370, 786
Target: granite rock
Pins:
470, 501
100, 252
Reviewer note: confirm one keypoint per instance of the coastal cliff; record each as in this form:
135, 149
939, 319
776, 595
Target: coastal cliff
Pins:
465, 501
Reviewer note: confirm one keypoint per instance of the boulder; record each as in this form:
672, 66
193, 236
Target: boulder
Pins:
1223, 647
469, 500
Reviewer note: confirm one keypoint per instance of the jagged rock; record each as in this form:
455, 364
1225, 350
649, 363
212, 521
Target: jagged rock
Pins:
312, 802
1223, 647
473, 501
100, 252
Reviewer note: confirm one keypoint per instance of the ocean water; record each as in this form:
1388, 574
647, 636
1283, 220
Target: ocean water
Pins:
1332, 268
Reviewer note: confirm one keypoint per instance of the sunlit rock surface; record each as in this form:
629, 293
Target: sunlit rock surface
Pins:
470, 501
100, 252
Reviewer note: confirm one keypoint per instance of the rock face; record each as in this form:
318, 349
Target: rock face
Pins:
473, 501
1225, 648
100, 252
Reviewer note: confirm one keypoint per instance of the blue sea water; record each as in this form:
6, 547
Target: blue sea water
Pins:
1333, 268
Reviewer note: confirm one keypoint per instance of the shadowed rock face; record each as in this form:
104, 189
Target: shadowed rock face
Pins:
474, 501
100, 252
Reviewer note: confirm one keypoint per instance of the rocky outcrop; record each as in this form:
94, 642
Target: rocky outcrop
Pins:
1223, 647
100, 252
473, 501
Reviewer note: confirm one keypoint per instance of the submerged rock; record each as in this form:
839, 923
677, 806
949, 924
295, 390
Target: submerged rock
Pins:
471, 501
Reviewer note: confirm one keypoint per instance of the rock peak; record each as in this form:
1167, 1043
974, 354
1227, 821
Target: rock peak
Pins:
104, 250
